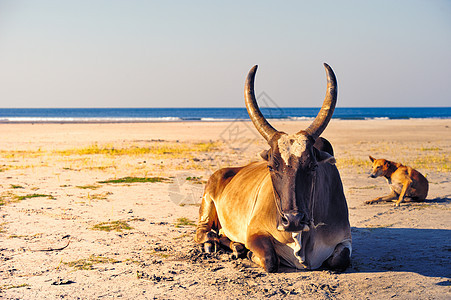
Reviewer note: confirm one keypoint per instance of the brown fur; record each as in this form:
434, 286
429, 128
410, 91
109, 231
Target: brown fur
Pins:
406, 184
272, 208
238, 211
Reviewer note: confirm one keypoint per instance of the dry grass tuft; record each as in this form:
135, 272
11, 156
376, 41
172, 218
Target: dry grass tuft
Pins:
88, 263
184, 222
135, 180
159, 149
112, 226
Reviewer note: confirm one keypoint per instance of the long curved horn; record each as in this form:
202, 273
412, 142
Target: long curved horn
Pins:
325, 114
265, 129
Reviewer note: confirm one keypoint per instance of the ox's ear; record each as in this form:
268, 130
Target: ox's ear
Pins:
265, 154
324, 157
372, 158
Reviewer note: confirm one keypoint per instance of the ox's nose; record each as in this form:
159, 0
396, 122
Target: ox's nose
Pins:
373, 175
294, 221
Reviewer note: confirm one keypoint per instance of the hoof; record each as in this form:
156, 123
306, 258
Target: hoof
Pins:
210, 247
249, 255
237, 250
339, 261
270, 265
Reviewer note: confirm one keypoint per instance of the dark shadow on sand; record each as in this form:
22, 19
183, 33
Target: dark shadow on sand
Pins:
423, 251
439, 200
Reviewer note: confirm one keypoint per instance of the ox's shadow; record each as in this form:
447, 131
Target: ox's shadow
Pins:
438, 200
423, 251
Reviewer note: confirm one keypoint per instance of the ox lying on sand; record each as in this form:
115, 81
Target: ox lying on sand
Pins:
406, 184
289, 209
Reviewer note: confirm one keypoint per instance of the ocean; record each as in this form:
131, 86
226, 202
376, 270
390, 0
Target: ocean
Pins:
94, 115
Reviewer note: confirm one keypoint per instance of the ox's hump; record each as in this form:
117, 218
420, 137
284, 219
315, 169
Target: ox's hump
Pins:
294, 144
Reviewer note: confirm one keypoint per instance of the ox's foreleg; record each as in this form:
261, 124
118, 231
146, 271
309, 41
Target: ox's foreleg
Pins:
208, 225
262, 252
340, 258
237, 249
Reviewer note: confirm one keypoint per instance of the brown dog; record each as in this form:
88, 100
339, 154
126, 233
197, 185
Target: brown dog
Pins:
406, 184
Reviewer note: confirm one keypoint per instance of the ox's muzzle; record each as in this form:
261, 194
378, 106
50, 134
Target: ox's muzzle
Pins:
294, 222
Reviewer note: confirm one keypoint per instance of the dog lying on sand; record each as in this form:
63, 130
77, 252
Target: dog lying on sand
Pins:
406, 184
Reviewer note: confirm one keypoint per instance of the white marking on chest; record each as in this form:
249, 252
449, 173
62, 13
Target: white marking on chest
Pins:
291, 145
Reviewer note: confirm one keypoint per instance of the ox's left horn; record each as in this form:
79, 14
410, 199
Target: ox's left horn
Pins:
262, 125
327, 110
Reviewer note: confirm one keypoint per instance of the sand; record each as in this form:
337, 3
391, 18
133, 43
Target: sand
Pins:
60, 229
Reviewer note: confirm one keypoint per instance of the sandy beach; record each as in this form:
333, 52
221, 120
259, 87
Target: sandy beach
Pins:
93, 211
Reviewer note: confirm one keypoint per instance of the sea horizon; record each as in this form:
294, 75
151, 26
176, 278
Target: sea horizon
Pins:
211, 114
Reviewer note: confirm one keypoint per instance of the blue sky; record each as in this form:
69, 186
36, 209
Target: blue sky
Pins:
108, 53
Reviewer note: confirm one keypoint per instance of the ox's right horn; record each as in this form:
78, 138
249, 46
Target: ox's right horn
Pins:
327, 110
265, 129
